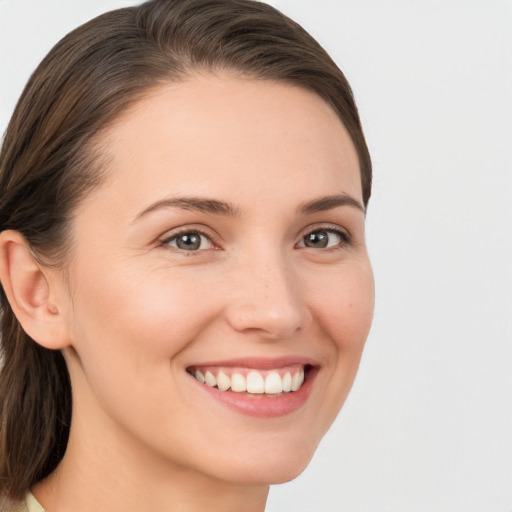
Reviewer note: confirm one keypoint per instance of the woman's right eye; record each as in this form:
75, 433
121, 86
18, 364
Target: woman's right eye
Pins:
189, 241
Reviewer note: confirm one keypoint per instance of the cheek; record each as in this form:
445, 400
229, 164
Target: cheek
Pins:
130, 328
138, 315
345, 308
344, 300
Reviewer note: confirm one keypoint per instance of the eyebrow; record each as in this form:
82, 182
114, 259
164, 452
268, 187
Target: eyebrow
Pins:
199, 204
216, 207
328, 203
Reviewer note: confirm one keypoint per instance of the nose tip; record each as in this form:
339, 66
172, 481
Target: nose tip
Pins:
272, 322
271, 306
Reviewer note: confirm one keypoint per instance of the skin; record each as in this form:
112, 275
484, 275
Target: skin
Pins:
135, 311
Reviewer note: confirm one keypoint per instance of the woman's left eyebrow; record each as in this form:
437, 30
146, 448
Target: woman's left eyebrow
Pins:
201, 204
325, 203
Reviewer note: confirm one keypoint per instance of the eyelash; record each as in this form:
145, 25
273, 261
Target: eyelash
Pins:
345, 239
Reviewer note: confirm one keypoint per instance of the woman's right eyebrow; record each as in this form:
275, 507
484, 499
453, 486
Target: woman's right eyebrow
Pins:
201, 204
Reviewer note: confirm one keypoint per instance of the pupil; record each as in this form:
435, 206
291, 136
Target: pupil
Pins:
189, 241
317, 239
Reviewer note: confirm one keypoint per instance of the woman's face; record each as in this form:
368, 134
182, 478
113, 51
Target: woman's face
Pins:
227, 245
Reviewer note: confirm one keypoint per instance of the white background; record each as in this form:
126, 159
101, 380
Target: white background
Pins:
428, 426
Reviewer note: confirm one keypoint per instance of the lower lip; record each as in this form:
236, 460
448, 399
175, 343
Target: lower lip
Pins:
261, 405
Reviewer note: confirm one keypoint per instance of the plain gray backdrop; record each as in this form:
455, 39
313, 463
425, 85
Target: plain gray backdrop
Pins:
428, 425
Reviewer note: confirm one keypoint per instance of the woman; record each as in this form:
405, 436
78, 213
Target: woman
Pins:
186, 287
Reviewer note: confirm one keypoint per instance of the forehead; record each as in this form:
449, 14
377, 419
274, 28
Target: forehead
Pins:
211, 130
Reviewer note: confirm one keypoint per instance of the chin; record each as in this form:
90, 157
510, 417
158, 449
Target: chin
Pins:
267, 474
273, 465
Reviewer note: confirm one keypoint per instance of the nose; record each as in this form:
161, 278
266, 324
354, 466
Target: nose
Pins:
267, 299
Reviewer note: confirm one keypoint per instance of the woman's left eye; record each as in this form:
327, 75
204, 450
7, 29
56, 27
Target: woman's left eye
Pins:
189, 241
323, 239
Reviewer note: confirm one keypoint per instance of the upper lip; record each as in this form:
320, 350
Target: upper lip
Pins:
260, 363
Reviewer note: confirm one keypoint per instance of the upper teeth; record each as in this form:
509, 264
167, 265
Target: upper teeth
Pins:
252, 382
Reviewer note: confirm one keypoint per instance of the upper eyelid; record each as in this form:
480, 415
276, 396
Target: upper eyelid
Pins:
327, 227
202, 230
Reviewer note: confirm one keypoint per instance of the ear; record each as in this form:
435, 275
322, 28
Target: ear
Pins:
30, 292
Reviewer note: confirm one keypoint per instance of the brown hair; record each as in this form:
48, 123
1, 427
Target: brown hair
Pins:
49, 161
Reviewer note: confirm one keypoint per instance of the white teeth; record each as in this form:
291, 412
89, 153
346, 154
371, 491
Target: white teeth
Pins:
297, 380
210, 379
255, 383
273, 383
238, 383
287, 382
223, 381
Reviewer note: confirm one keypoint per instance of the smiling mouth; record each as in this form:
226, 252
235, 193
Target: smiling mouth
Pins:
252, 381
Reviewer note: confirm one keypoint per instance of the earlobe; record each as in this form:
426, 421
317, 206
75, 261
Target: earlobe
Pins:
28, 291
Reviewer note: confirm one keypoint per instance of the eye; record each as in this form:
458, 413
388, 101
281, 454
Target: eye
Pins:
189, 241
324, 239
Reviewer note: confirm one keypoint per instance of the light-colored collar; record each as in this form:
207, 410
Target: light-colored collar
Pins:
32, 504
